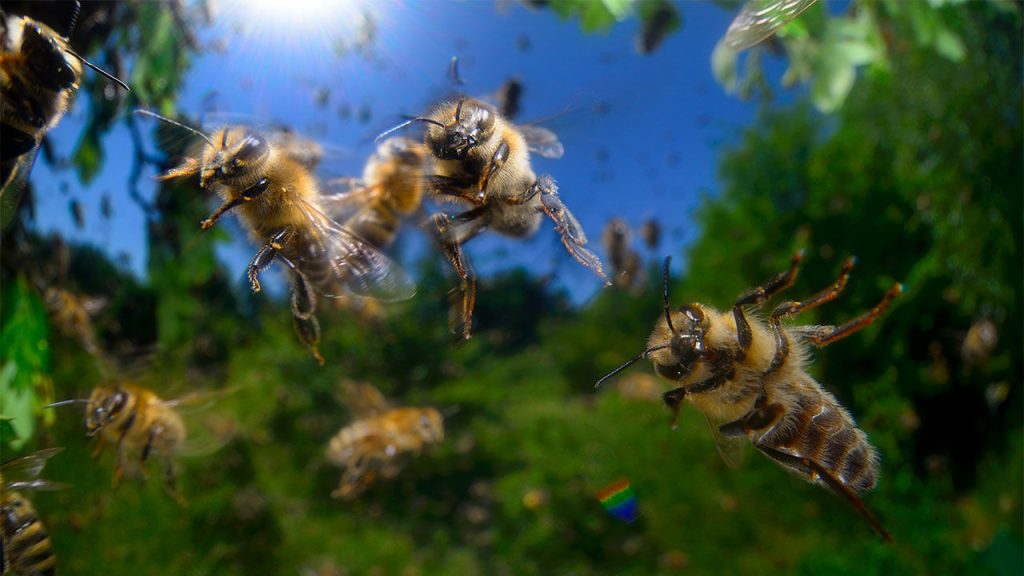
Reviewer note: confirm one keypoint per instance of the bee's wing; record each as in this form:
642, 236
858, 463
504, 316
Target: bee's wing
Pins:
730, 448
23, 472
344, 197
364, 400
354, 265
14, 179
759, 19
542, 141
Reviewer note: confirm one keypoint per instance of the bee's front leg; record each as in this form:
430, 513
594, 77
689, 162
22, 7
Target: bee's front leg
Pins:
567, 226
265, 256
451, 233
498, 160
758, 296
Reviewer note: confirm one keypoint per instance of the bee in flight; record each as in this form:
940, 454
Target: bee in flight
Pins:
279, 201
380, 440
39, 77
391, 189
625, 262
25, 547
139, 424
750, 380
481, 161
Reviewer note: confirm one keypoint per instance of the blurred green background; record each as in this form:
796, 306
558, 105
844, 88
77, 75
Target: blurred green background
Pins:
916, 170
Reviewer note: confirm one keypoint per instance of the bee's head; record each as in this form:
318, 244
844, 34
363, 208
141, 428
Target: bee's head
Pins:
685, 345
236, 153
677, 345
47, 56
105, 404
430, 426
471, 123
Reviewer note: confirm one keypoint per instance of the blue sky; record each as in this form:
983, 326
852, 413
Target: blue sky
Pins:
641, 133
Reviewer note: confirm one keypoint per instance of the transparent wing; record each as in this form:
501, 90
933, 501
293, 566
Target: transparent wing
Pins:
344, 197
542, 141
22, 473
339, 263
730, 448
759, 19
364, 400
14, 186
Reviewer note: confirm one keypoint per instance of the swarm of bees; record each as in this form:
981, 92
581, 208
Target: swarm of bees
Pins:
25, 546
750, 380
380, 440
747, 376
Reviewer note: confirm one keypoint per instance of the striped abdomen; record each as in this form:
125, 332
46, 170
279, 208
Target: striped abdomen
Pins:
817, 428
375, 223
26, 548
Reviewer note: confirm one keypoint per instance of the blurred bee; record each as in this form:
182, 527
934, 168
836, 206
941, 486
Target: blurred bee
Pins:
759, 19
980, 342
77, 213
482, 161
625, 262
72, 314
279, 202
39, 77
750, 380
650, 231
391, 188
379, 441
508, 97
25, 547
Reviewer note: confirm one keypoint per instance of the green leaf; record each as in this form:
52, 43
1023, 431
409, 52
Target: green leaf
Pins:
949, 45
725, 66
7, 434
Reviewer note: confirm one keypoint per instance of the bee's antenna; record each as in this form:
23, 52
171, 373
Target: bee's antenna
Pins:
458, 109
99, 70
665, 277
630, 362
176, 123
408, 122
66, 402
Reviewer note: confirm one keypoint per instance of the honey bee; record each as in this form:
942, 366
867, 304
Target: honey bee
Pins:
625, 262
25, 547
280, 203
979, 343
39, 77
650, 231
72, 314
380, 440
759, 19
750, 380
391, 188
482, 161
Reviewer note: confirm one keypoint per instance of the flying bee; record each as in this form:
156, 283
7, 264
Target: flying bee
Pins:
25, 547
624, 261
750, 380
979, 343
759, 19
39, 77
73, 314
279, 202
391, 189
482, 161
380, 440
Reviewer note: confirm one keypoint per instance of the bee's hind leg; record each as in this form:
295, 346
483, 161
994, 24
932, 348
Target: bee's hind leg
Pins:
566, 225
451, 233
265, 256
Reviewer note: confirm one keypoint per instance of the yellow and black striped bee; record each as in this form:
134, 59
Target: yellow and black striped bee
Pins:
25, 547
39, 77
749, 379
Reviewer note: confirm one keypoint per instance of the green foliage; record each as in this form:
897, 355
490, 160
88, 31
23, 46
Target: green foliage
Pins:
24, 369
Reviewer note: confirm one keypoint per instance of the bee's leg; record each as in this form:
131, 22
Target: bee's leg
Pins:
758, 296
497, 161
99, 446
121, 457
722, 371
171, 481
248, 194
830, 334
452, 232
795, 307
303, 297
817, 472
308, 332
458, 188
265, 256
566, 225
